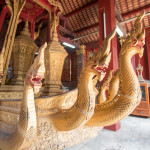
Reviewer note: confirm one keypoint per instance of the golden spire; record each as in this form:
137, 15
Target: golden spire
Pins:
26, 30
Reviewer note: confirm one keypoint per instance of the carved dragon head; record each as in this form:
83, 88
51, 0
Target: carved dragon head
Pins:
135, 40
99, 62
37, 69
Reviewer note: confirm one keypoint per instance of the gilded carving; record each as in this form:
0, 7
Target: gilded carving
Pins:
8, 118
82, 111
52, 2
22, 56
36, 34
50, 138
54, 22
15, 7
81, 50
54, 61
129, 95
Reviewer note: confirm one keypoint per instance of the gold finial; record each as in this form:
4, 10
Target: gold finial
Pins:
55, 35
26, 29
36, 34
138, 24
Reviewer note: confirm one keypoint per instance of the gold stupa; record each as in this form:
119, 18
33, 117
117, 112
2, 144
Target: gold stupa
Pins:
23, 53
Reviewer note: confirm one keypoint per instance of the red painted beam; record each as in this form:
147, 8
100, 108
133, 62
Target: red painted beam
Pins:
109, 6
136, 10
82, 8
63, 18
64, 30
92, 45
2, 17
43, 15
47, 4
92, 42
63, 39
25, 16
32, 29
86, 28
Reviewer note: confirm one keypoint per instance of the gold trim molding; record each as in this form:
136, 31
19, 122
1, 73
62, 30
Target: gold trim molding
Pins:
81, 51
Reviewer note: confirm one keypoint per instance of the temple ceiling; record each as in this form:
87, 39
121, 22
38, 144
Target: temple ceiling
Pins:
82, 16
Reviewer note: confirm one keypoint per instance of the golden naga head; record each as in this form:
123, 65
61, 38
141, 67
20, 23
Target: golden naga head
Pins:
36, 72
101, 59
136, 38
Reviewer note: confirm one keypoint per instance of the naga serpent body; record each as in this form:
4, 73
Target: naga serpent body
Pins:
129, 95
26, 128
83, 110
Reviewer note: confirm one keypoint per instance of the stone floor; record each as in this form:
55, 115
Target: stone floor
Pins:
133, 135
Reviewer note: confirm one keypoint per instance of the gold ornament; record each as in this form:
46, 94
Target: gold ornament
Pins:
81, 110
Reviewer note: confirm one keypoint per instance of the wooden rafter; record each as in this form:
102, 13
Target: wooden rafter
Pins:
63, 5
79, 16
91, 14
66, 31
83, 14
78, 24
92, 44
82, 8
87, 28
118, 15
136, 10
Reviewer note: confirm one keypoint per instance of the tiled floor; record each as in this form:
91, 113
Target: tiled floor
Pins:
133, 135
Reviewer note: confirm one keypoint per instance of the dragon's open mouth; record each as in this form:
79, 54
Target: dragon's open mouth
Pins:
141, 49
101, 69
35, 80
139, 44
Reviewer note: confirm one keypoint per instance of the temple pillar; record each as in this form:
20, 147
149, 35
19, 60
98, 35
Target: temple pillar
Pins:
80, 60
106, 25
15, 9
2, 17
32, 29
148, 48
107, 14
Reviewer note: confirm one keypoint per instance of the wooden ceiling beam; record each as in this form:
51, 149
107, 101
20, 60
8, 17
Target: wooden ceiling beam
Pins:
63, 39
66, 31
92, 45
25, 16
86, 28
82, 8
138, 10
118, 15
43, 4
81, 37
